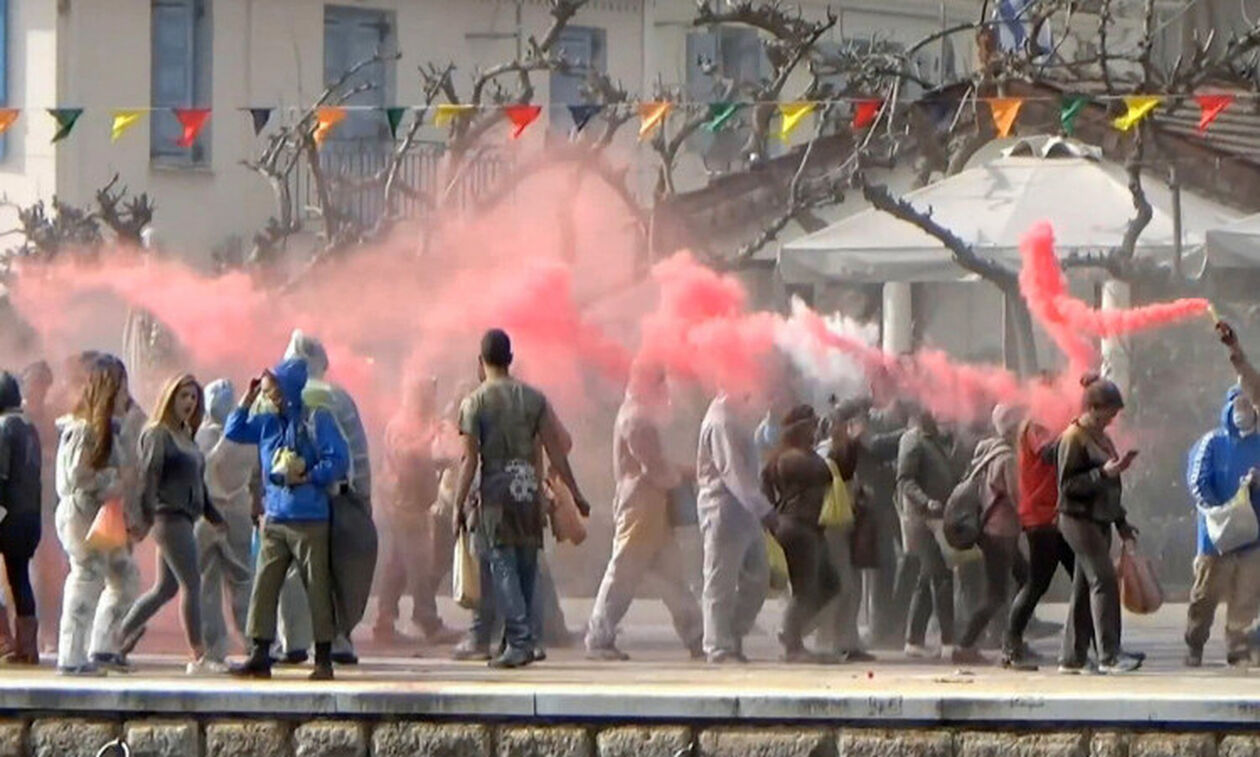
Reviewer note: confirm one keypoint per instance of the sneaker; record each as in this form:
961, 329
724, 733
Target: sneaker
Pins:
920, 652
470, 651
1239, 660
113, 663
857, 655
726, 657
968, 656
203, 666
608, 653
1125, 663
86, 670
1194, 658
1072, 669
540, 654
513, 657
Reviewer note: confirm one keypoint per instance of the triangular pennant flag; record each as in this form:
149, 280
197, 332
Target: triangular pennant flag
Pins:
394, 116
1139, 107
653, 115
582, 114
1005, 109
124, 120
326, 119
7, 117
447, 113
793, 114
66, 118
261, 116
865, 112
1069, 109
1211, 107
719, 114
521, 117
193, 120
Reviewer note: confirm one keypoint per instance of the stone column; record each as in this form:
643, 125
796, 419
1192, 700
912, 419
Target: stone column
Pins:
1115, 352
898, 314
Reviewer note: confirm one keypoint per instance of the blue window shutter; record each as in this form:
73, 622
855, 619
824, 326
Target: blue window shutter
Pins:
180, 73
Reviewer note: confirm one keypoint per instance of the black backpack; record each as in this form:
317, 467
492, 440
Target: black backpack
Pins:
964, 519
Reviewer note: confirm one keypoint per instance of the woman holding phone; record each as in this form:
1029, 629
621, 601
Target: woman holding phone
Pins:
1089, 470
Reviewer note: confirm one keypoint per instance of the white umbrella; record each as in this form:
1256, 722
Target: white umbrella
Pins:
990, 207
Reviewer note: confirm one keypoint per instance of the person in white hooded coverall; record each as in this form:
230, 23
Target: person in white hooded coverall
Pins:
643, 539
226, 560
732, 510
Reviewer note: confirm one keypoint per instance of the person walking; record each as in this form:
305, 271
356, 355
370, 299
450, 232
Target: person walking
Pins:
173, 498
1090, 493
21, 463
303, 454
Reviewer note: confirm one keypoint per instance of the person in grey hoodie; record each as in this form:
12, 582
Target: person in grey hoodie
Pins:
20, 496
226, 560
173, 498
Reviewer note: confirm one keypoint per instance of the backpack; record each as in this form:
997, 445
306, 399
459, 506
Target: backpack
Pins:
964, 517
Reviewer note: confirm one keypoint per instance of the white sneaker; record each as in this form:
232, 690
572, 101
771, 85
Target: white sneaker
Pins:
920, 652
204, 666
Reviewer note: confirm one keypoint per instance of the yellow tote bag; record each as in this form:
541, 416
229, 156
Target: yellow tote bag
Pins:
778, 564
837, 508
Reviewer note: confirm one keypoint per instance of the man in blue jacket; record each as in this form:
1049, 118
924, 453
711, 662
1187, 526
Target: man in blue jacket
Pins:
1219, 463
302, 454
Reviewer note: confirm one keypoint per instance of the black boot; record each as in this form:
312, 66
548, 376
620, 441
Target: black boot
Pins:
323, 662
258, 664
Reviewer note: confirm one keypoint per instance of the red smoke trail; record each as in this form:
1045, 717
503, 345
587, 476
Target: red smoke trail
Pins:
1066, 318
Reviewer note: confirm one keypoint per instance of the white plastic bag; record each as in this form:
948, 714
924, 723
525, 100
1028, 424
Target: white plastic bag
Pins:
465, 573
1233, 524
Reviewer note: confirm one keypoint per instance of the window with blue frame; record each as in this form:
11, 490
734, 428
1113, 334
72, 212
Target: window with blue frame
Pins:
351, 36
585, 49
182, 36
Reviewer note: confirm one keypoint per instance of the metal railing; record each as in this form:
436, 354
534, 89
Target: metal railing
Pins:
352, 165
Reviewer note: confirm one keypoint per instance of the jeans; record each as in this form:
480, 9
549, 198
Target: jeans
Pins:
1095, 589
1047, 550
513, 571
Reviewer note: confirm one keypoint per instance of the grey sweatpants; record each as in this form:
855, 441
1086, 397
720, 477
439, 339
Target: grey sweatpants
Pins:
177, 572
736, 578
219, 578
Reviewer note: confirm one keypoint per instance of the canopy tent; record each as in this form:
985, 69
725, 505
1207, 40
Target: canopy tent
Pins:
1236, 245
991, 206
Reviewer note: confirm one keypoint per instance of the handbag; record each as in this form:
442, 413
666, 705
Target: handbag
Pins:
1233, 524
837, 507
1140, 591
109, 528
778, 564
465, 573
566, 520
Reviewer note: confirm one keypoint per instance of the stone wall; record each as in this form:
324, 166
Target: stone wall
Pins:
57, 736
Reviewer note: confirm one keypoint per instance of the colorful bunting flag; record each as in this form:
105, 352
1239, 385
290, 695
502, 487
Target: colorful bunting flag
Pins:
653, 115
326, 119
521, 117
1211, 106
66, 118
719, 114
261, 116
582, 114
193, 120
7, 117
793, 114
1069, 108
124, 120
1005, 109
448, 112
865, 112
1139, 107
394, 116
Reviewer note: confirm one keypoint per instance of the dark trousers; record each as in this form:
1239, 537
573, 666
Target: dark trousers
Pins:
934, 590
886, 606
813, 580
417, 556
513, 571
1095, 590
999, 554
1047, 550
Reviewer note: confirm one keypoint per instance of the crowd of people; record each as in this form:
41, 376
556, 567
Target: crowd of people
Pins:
870, 509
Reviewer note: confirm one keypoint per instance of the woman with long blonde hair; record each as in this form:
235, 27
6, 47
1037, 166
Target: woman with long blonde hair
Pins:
88, 460
173, 497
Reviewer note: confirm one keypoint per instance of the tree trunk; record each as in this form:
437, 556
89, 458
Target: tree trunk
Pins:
1020, 345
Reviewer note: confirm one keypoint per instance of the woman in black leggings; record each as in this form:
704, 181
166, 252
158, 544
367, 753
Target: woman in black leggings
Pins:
174, 497
19, 530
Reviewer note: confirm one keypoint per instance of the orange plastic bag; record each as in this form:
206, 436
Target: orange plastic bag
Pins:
566, 520
109, 528
1140, 592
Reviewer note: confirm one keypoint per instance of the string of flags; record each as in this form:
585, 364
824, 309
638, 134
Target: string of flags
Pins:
866, 111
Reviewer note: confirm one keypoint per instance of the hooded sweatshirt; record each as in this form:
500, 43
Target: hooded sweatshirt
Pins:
1217, 463
324, 451
320, 393
20, 463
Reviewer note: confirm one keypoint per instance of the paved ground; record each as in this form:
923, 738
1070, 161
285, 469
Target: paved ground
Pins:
660, 682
